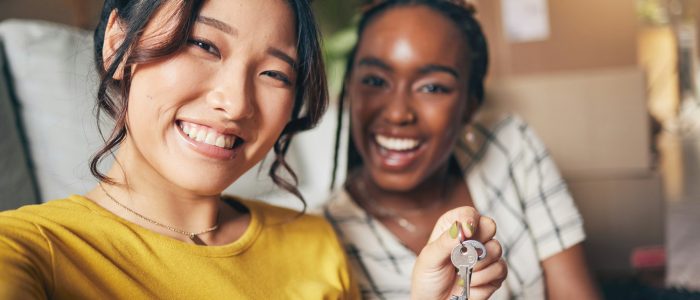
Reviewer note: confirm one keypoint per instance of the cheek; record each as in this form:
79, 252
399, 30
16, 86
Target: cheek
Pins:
363, 109
445, 120
275, 112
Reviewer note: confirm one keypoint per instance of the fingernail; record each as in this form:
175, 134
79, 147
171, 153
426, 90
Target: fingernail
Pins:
469, 226
454, 230
460, 282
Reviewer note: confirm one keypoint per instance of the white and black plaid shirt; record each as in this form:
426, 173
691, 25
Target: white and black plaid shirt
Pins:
512, 179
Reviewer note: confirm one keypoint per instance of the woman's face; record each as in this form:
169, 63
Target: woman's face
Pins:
408, 95
203, 117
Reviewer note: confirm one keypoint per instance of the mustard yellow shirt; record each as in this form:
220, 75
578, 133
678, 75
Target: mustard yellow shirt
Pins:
74, 249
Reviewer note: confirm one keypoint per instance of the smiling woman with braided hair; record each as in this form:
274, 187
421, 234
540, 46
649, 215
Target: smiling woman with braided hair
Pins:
413, 85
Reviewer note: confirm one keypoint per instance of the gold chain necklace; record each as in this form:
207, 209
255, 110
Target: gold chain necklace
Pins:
189, 234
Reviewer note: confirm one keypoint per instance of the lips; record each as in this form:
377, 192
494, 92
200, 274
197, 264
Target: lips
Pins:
208, 141
395, 153
207, 135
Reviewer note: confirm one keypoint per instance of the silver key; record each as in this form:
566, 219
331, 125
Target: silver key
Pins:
464, 257
480, 248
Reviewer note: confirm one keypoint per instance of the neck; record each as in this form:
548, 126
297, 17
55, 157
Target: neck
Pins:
434, 191
144, 191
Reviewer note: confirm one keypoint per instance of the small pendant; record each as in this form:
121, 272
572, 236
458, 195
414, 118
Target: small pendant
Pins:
192, 236
405, 224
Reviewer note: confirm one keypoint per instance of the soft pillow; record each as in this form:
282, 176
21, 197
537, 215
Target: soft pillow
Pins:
54, 82
16, 183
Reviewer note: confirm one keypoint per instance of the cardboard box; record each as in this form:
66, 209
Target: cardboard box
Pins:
620, 214
593, 122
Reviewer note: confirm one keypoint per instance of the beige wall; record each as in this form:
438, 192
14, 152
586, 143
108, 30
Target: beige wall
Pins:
81, 13
584, 35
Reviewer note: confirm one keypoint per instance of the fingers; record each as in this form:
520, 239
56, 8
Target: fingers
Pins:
493, 273
484, 292
488, 280
436, 254
493, 254
465, 215
487, 230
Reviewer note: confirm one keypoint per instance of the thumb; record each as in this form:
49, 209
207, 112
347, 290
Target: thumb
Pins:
436, 254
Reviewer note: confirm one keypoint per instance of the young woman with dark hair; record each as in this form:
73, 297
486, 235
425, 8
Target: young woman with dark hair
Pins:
199, 92
413, 84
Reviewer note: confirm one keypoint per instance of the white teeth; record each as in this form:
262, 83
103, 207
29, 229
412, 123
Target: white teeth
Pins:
201, 135
396, 144
220, 141
211, 138
207, 135
193, 133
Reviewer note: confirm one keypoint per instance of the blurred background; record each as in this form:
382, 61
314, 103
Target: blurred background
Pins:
610, 86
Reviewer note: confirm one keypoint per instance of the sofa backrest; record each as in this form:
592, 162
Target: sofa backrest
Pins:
17, 185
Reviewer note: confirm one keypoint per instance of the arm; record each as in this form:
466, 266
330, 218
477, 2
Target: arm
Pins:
24, 260
567, 277
563, 262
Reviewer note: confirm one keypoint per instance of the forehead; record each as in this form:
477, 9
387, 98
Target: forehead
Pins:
414, 34
259, 17
269, 21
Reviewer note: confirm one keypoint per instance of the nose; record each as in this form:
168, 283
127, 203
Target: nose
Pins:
400, 110
233, 97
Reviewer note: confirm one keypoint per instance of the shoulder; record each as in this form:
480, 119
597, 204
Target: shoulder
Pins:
50, 212
30, 226
504, 129
340, 206
26, 236
491, 141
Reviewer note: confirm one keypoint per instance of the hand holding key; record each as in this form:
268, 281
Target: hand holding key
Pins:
434, 275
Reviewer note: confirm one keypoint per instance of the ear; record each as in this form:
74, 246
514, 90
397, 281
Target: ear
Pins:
114, 37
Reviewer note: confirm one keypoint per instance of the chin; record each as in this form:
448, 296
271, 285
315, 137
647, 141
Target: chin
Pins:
395, 183
204, 184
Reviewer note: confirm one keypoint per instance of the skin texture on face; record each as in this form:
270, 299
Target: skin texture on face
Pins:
231, 88
408, 96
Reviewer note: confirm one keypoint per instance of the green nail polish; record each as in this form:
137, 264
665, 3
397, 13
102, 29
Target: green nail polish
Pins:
470, 228
454, 230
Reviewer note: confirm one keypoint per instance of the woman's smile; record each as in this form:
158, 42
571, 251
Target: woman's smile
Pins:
395, 153
208, 141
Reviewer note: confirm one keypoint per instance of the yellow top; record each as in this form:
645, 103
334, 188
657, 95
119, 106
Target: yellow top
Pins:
75, 249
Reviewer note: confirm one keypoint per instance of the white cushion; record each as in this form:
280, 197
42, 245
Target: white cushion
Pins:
54, 82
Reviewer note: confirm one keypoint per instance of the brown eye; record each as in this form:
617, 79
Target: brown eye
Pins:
374, 81
206, 46
435, 89
277, 76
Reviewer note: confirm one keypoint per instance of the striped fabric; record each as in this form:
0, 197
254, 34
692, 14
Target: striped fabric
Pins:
512, 179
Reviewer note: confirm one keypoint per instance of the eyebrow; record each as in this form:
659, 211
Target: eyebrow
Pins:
374, 62
218, 25
438, 68
283, 56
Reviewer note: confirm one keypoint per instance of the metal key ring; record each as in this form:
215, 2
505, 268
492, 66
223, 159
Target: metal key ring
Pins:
477, 245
